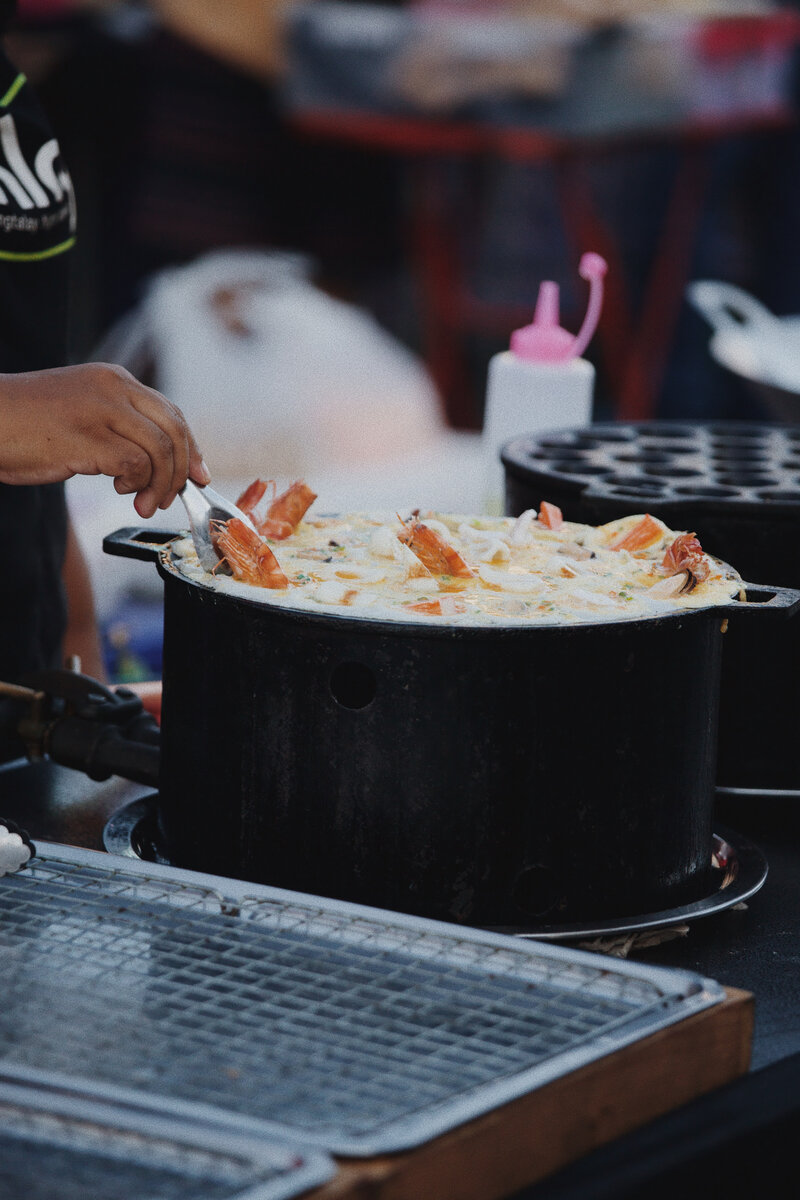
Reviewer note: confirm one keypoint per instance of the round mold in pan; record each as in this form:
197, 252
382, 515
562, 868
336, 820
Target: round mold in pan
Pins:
744, 504
740, 464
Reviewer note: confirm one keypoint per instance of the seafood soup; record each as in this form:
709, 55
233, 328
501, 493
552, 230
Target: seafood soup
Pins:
446, 568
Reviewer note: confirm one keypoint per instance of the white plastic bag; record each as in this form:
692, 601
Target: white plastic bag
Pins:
275, 376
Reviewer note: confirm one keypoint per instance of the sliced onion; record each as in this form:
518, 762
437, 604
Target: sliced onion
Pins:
437, 527
486, 546
382, 542
511, 581
365, 599
330, 592
358, 574
520, 534
597, 599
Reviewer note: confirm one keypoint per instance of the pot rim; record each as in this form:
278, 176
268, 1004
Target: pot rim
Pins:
156, 546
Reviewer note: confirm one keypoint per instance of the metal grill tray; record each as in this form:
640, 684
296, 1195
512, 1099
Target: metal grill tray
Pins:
270, 1012
59, 1147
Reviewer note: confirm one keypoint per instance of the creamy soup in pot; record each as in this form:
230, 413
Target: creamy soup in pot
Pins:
445, 568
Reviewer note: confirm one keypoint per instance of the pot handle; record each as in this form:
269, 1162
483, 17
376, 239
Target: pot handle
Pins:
136, 542
730, 309
761, 598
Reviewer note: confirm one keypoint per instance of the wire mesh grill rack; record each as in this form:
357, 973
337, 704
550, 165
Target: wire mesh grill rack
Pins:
354, 1029
55, 1147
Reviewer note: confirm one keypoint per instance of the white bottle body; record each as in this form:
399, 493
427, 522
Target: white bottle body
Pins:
529, 397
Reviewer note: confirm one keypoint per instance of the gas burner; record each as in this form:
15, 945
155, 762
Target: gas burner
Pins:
738, 871
133, 832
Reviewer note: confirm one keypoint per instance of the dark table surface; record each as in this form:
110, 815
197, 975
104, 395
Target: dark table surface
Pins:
755, 947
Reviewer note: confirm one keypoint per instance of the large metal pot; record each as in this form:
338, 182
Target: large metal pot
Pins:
484, 775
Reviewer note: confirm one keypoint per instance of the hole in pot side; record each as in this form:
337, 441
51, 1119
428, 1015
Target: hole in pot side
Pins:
352, 685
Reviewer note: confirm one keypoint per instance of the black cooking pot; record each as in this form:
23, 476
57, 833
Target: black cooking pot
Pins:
737, 485
484, 775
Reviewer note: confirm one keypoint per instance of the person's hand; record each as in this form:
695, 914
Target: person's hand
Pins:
96, 419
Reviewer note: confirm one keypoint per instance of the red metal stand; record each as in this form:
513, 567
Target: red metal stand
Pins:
634, 345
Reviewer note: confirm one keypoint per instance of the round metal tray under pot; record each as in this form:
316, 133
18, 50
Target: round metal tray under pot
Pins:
738, 871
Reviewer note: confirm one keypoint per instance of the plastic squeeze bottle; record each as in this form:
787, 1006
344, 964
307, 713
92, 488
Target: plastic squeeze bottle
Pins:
540, 382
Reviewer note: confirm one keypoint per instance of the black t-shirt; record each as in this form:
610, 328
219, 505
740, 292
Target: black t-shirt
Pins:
37, 231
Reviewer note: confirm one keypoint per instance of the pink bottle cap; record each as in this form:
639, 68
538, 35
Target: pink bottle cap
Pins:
544, 340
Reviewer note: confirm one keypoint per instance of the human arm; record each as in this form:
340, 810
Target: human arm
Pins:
96, 419
82, 638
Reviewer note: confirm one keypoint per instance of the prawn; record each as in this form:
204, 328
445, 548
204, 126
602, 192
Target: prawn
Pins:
432, 550
685, 554
249, 557
284, 513
251, 496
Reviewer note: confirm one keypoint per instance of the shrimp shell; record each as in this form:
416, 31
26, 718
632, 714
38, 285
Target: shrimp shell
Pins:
432, 550
249, 557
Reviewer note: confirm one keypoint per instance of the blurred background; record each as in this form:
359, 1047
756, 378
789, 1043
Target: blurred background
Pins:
312, 223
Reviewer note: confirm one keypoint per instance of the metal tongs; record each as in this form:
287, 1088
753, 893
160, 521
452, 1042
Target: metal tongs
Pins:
204, 505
